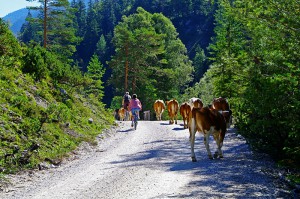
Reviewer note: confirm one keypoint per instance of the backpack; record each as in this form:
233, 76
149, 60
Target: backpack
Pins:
127, 98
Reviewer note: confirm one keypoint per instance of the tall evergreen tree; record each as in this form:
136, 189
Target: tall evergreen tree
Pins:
79, 12
95, 71
58, 32
29, 30
199, 63
149, 57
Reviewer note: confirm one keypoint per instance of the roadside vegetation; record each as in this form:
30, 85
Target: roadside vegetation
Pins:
47, 107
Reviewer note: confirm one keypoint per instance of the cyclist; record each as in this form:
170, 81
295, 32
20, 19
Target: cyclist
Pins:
126, 100
125, 103
134, 105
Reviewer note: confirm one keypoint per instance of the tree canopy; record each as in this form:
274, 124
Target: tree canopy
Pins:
255, 64
150, 59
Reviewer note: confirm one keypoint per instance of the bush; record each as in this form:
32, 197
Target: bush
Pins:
35, 62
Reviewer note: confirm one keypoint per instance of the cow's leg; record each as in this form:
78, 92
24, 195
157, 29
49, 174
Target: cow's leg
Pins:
187, 121
218, 151
206, 142
217, 138
192, 129
175, 118
220, 145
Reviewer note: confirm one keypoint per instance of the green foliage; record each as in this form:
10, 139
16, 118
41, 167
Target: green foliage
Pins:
156, 58
58, 112
116, 102
95, 72
101, 47
29, 29
10, 49
199, 63
255, 65
45, 110
55, 23
203, 90
95, 23
35, 62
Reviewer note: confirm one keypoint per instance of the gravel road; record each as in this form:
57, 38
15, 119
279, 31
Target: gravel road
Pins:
153, 162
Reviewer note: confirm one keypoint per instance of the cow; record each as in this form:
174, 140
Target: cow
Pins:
195, 102
221, 104
122, 114
172, 107
185, 110
209, 122
159, 107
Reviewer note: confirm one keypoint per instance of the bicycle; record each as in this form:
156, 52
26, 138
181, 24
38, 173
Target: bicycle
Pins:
135, 119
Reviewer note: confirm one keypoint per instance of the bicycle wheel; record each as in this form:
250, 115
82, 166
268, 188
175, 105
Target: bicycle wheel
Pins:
135, 120
135, 125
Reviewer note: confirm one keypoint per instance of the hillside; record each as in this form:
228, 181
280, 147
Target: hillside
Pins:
17, 18
43, 117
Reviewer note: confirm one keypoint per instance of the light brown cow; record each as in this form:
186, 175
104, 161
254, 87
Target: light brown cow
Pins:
122, 114
221, 104
159, 107
172, 106
195, 102
209, 122
185, 110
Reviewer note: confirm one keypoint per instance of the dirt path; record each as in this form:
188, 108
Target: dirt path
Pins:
153, 162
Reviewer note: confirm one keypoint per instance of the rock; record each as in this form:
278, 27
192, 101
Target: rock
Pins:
91, 120
43, 166
68, 124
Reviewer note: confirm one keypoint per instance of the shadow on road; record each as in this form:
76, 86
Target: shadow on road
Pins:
237, 175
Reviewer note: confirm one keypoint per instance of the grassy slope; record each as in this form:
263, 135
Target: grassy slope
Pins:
38, 122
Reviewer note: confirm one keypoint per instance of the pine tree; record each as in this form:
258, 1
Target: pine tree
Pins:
58, 32
150, 59
95, 71
29, 29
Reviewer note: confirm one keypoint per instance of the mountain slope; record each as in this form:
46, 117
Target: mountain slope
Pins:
16, 19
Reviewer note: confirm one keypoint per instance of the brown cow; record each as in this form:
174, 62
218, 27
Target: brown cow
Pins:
209, 122
159, 107
122, 114
185, 110
221, 104
195, 102
172, 106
